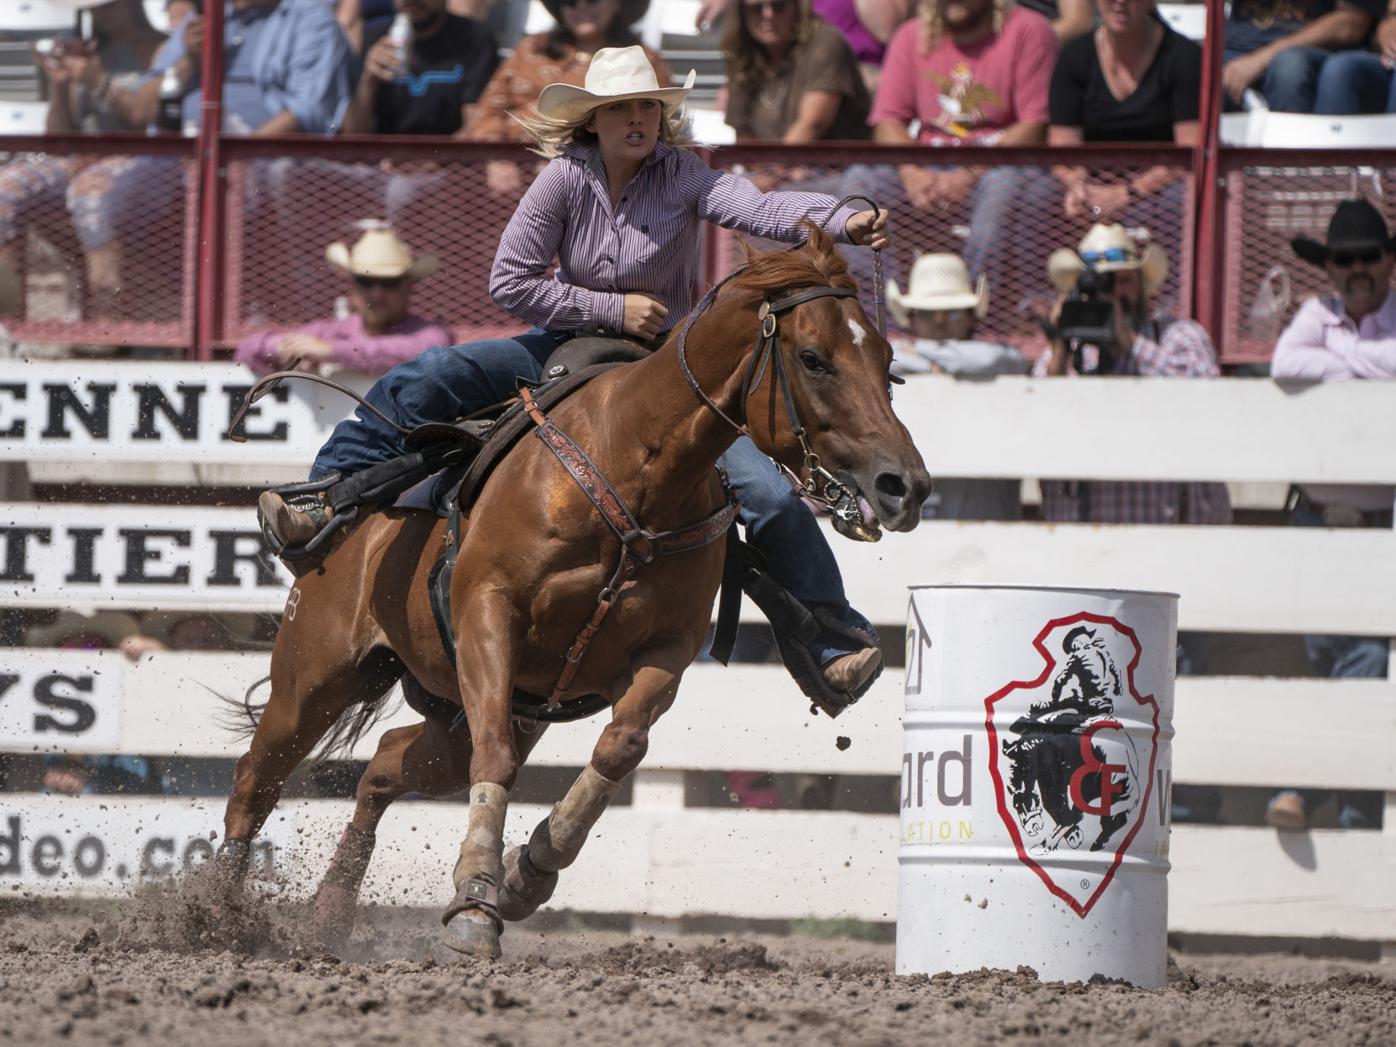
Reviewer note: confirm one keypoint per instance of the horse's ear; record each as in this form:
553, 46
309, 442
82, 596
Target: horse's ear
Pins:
749, 253
819, 243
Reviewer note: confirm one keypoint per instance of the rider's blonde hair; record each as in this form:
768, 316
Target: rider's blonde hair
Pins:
551, 133
933, 26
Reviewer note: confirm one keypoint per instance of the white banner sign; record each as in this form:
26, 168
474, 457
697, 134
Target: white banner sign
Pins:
136, 556
88, 843
63, 701
71, 411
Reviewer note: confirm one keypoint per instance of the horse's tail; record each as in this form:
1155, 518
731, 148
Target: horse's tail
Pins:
345, 732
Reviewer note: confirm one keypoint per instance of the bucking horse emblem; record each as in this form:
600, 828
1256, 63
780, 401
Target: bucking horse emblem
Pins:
1074, 767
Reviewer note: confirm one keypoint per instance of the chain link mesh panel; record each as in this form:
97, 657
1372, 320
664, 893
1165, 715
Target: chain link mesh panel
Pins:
284, 212
1266, 207
97, 249
1004, 221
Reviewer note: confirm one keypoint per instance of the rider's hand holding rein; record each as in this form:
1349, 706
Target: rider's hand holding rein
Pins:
869, 229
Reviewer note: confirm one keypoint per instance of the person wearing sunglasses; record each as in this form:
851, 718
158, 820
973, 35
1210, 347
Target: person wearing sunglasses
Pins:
378, 333
792, 77
1349, 334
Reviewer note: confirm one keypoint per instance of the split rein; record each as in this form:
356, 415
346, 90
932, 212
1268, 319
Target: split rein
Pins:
818, 484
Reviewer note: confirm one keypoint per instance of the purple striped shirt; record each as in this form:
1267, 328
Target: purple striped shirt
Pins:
648, 244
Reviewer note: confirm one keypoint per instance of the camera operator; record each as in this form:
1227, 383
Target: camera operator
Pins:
1104, 324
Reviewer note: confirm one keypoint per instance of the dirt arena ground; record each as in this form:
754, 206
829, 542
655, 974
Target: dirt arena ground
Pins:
153, 972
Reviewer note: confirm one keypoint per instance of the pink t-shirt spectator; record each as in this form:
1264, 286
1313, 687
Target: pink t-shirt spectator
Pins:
970, 95
350, 345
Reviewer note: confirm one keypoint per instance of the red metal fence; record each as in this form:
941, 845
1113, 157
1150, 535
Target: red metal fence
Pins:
104, 234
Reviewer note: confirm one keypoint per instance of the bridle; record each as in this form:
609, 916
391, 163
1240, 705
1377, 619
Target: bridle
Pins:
816, 483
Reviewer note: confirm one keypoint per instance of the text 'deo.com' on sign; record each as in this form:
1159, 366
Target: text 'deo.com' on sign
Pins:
102, 844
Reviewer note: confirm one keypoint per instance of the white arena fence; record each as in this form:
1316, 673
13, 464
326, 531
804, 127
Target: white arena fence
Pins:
163, 427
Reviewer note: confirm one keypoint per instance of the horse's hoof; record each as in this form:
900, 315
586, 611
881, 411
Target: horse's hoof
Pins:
332, 909
473, 934
525, 888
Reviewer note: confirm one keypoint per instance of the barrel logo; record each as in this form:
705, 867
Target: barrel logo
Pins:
1072, 756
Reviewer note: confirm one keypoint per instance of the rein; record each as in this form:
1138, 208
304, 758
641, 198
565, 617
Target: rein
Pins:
818, 484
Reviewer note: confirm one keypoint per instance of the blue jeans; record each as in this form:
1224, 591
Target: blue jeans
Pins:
452, 381
1353, 83
1290, 84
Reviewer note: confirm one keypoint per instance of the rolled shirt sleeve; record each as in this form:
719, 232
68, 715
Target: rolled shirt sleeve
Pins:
732, 202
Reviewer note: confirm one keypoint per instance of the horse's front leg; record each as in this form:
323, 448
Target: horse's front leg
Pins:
488, 641
530, 871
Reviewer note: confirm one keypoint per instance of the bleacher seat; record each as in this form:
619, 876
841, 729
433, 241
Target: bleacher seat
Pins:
23, 118
1270, 130
1188, 19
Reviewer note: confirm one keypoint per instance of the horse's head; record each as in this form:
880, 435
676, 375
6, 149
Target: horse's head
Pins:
836, 368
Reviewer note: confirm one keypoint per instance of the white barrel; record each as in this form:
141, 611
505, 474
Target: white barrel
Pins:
1036, 781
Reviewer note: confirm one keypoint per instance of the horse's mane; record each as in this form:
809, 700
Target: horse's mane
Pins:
815, 263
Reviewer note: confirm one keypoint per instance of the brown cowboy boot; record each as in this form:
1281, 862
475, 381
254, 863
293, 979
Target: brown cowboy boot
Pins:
852, 671
293, 521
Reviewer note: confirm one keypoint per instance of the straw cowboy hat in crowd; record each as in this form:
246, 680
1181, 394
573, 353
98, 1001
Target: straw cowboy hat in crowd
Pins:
380, 253
1356, 226
615, 75
111, 626
1108, 249
939, 283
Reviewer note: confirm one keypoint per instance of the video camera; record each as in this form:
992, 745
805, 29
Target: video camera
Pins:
1088, 318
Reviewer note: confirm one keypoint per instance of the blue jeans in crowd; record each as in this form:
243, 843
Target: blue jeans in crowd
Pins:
1355, 82
1290, 84
449, 382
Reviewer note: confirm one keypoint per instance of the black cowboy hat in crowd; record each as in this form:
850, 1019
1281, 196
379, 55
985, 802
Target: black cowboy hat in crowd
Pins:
1355, 226
631, 11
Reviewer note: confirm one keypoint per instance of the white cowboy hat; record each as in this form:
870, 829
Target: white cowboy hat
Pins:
939, 282
78, 5
380, 253
615, 74
1108, 249
111, 626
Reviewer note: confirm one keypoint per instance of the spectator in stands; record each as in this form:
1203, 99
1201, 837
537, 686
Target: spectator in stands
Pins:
379, 334
1132, 80
176, 11
1280, 48
84, 631
966, 71
86, 80
1144, 343
184, 631
287, 71
941, 310
1350, 334
433, 86
791, 76
1361, 81
288, 68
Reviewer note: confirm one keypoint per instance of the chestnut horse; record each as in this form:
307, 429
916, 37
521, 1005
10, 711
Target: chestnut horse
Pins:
532, 561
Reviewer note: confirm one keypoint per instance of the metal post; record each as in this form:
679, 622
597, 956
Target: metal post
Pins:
1209, 285
208, 319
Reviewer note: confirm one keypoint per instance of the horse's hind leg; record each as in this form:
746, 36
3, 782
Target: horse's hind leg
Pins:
425, 758
306, 699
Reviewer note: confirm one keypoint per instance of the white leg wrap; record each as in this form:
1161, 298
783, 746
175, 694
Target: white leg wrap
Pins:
484, 837
558, 839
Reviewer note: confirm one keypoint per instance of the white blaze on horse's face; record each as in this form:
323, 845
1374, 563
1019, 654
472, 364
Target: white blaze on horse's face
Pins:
857, 331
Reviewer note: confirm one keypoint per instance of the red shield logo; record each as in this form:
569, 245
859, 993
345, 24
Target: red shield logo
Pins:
1072, 755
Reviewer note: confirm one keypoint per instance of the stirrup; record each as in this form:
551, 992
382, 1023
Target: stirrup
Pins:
290, 554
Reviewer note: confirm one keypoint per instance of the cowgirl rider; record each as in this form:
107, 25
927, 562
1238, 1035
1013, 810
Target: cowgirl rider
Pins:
619, 206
